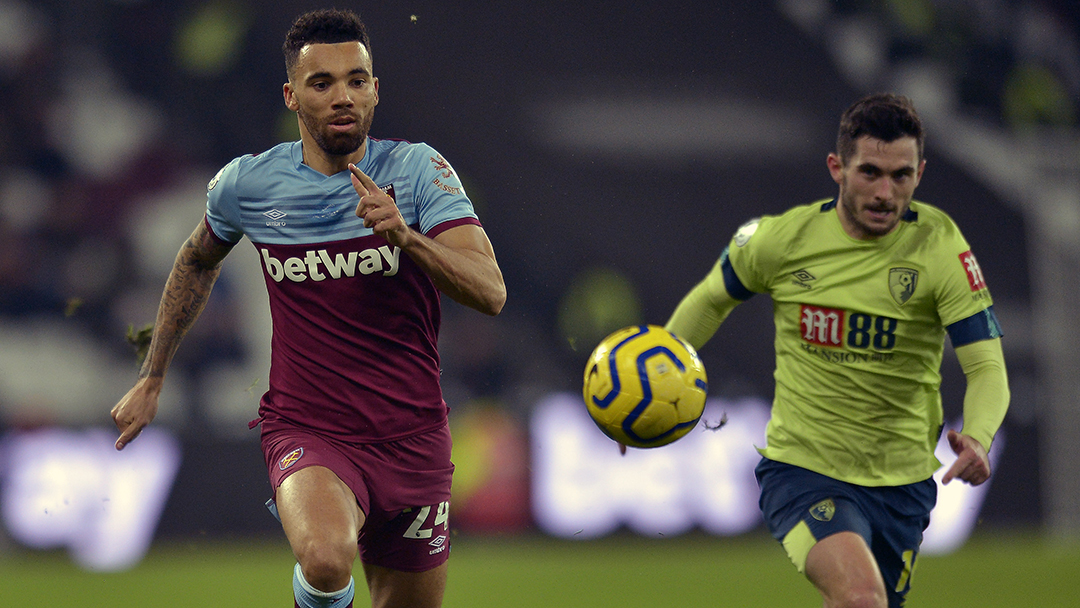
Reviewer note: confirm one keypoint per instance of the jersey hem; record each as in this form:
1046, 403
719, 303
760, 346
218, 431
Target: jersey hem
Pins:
442, 227
214, 235
271, 423
868, 482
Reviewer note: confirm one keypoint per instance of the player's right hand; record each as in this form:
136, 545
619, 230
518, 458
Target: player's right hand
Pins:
136, 410
379, 210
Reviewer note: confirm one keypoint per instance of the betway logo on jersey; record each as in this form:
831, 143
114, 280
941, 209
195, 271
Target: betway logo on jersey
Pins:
320, 265
822, 326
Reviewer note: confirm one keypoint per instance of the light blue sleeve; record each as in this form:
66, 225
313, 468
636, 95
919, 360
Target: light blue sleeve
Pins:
222, 207
440, 197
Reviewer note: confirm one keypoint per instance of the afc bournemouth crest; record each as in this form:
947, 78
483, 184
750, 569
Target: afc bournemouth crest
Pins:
290, 459
824, 510
902, 283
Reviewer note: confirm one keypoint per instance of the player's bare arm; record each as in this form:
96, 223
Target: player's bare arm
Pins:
460, 260
194, 272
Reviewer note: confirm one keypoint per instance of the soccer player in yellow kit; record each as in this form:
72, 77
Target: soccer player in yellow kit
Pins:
864, 289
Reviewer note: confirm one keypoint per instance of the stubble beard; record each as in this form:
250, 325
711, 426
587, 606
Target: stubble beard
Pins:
851, 207
336, 144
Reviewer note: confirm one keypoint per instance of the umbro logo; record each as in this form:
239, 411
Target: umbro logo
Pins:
439, 543
274, 217
803, 278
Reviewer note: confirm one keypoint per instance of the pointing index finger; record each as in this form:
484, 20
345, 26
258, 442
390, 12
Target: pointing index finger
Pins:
359, 177
963, 461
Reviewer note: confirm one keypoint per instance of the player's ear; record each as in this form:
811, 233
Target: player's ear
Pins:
836, 167
290, 97
375, 85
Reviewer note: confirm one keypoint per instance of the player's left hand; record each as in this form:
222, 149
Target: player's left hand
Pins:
378, 210
972, 464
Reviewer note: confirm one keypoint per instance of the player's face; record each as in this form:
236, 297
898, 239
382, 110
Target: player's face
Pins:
876, 185
333, 92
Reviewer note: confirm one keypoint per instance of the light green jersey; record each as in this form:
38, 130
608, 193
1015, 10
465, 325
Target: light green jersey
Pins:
860, 329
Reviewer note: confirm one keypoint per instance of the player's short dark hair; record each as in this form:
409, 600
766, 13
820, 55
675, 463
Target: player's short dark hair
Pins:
325, 26
883, 116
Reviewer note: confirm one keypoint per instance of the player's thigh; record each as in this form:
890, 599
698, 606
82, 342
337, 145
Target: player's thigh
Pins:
844, 570
901, 516
397, 589
801, 507
407, 525
319, 513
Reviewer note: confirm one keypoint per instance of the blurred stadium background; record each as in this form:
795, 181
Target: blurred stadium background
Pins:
611, 151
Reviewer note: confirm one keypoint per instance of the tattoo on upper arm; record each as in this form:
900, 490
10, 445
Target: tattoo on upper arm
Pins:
203, 250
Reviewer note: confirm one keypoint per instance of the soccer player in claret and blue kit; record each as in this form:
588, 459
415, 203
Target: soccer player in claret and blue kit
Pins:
357, 238
865, 287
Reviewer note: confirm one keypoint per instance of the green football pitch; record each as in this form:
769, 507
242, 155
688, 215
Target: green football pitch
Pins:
522, 572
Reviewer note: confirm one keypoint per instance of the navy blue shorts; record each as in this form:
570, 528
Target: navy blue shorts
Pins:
801, 507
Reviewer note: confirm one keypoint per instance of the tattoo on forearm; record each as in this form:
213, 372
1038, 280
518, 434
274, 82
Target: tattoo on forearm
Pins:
194, 272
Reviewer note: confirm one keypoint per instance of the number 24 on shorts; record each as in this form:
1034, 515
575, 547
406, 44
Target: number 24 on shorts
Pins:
442, 517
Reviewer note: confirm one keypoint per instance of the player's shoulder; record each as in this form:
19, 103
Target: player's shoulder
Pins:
418, 162
931, 215
399, 149
793, 220
250, 167
814, 211
935, 226
288, 153
763, 240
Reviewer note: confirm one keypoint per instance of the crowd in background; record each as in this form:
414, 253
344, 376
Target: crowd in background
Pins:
117, 113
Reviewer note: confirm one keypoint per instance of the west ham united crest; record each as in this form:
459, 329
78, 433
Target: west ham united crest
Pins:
290, 458
902, 283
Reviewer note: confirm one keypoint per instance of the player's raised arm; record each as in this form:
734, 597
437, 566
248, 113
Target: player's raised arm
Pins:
194, 272
460, 260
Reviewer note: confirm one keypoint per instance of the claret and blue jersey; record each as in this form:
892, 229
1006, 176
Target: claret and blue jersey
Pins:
355, 320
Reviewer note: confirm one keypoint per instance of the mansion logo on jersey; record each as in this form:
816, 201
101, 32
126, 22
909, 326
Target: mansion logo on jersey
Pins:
822, 326
974, 273
320, 265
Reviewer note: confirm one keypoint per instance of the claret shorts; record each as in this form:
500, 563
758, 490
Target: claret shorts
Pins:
403, 488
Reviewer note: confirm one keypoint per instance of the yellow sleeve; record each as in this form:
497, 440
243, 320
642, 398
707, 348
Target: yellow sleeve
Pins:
703, 309
987, 396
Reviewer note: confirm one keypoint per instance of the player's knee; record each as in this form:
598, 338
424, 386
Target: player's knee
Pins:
326, 568
860, 597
